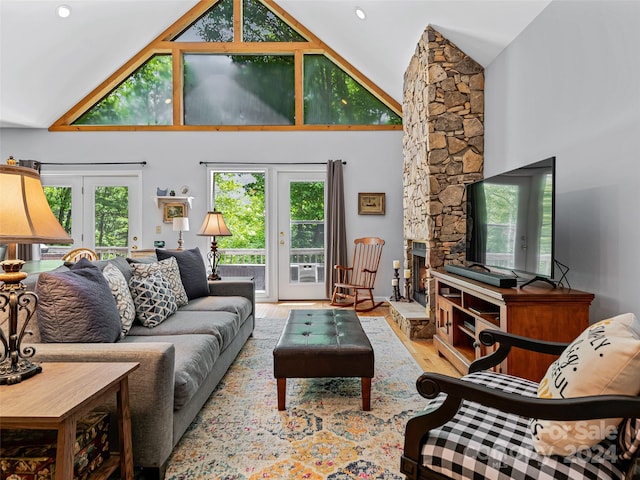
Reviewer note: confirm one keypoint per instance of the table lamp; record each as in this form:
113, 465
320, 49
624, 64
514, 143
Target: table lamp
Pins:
180, 224
214, 226
25, 217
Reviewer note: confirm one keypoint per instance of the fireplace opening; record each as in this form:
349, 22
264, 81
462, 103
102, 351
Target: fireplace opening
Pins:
419, 272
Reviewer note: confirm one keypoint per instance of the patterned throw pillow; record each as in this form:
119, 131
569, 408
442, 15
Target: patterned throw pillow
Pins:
603, 360
122, 296
154, 299
169, 270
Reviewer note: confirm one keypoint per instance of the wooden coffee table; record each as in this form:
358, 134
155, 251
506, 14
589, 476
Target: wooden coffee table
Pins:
56, 398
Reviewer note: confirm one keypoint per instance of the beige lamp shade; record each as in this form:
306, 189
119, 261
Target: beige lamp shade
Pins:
25, 215
214, 226
181, 224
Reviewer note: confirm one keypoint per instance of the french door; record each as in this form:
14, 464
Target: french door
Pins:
300, 237
98, 212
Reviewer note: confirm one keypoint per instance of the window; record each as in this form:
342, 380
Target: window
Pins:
331, 96
142, 99
219, 72
214, 26
259, 24
238, 90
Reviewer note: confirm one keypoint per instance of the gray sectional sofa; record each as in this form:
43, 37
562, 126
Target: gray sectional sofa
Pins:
182, 359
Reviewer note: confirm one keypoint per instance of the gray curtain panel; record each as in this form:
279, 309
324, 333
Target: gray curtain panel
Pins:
336, 230
25, 251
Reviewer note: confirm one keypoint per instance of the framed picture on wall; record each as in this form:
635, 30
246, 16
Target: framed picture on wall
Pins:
173, 210
370, 203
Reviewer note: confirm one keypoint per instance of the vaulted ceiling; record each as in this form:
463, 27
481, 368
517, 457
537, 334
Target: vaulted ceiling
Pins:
48, 63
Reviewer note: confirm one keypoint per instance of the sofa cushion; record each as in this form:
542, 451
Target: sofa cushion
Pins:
602, 360
241, 306
195, 358
222, 325
169, 270
192, 270
153, 297
122, 296
77, 306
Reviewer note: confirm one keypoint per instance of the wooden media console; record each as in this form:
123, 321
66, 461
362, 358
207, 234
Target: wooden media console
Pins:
465, 307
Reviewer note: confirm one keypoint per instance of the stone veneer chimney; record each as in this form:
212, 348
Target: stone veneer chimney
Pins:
443, 145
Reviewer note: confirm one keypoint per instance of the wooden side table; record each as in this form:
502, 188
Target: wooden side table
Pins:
56, 398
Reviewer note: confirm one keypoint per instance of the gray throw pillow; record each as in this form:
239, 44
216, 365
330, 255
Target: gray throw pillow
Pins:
77, 306
192, 270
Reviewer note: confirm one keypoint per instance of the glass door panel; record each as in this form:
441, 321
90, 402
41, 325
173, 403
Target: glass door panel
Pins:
301, 263
64, 194
100, 213
112, 223
241, 198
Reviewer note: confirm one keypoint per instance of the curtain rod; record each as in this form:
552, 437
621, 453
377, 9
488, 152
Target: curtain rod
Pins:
266, 163
93, 163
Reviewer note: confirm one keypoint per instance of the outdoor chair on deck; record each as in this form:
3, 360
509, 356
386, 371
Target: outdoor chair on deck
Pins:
360, 278
78, 253
481, 427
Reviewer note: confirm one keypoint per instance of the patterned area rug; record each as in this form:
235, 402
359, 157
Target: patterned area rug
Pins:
323, 434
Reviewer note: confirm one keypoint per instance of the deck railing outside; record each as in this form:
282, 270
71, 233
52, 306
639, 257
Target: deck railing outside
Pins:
238, 262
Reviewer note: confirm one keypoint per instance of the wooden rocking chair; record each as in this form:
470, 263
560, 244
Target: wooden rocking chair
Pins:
361, 276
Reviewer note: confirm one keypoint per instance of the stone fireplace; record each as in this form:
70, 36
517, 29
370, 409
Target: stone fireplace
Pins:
443, 146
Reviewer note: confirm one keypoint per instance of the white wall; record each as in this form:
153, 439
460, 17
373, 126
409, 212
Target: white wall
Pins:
374, 164
569, 86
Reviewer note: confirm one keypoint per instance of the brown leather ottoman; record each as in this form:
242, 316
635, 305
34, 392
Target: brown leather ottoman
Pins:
323, 343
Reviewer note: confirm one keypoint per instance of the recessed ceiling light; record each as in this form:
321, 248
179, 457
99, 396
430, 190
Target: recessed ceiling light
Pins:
360, 13
63, 11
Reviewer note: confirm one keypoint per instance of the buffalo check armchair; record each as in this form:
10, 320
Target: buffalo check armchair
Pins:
487, 425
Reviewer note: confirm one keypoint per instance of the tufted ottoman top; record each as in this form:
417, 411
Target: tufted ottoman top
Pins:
323, 343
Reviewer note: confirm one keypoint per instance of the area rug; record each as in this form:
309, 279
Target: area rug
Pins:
323, 434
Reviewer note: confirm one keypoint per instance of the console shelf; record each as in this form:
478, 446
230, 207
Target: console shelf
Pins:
465, 307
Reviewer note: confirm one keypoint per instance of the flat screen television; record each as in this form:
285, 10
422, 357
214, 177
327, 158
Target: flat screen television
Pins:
510, 220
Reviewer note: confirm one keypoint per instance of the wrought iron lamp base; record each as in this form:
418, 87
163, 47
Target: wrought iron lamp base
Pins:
14, 363
12, 374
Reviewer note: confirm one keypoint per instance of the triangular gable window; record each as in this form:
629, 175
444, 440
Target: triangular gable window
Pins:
259, 73
259, 24
142, 99
216, 25
333, 97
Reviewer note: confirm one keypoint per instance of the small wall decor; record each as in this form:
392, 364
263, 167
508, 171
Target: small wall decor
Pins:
371, 203
173, 210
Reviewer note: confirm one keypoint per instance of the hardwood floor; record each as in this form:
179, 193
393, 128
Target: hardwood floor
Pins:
422, 350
